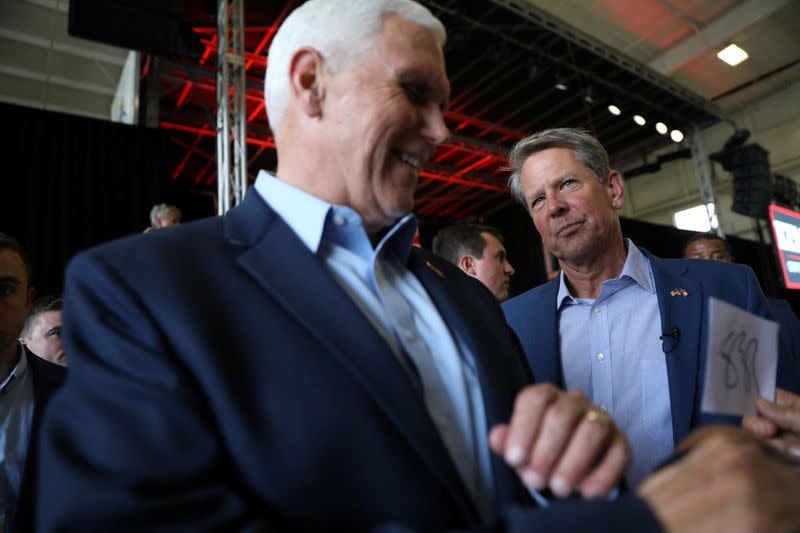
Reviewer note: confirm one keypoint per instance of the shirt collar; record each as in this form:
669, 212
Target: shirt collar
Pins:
16, 374
636, 268
313, 219
303, 212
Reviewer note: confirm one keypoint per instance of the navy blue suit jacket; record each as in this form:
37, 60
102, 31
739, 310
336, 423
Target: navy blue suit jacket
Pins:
790, 326
47, 377
534, 318
221, 379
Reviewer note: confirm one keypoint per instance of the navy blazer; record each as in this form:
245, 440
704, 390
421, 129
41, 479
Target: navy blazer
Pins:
534, 318
47, 377
790, 326
221, 379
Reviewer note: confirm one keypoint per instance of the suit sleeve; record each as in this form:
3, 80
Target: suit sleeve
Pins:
128, 443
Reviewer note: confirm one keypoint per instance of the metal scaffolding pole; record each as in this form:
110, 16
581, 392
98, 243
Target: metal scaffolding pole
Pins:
231, 111
702, 171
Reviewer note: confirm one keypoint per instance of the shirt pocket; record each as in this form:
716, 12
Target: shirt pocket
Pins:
656, 410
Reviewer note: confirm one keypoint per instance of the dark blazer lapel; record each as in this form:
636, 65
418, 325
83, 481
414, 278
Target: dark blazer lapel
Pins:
456, 312
500, 380
306, 290
534, 317
684, 312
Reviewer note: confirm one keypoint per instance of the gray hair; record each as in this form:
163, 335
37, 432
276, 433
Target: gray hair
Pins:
341, 31
587, 149
162, 211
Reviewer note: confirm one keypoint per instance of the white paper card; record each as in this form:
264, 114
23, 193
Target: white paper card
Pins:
742, 360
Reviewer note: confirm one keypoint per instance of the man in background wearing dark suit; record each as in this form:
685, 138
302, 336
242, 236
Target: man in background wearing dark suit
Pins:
479, 252
42, 331
26, 383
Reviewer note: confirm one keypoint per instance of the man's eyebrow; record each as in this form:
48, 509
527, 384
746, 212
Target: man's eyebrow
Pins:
10, 279
412, 76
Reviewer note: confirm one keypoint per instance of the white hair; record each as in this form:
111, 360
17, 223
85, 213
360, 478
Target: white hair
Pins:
162, 212
341, 31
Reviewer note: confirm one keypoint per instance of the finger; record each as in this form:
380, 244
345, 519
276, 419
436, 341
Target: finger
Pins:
607, 473
671, 483
788, 446
786, 417
760, 427
556, 432
718, 434
705, 446
523, 429
587, 444
497, 438
784, 397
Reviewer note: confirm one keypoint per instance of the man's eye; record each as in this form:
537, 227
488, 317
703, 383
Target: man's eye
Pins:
567, 184
6, 291
537, 202
415, 93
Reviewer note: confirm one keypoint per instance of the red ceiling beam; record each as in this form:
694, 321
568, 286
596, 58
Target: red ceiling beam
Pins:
466, 120
270, 33
460, 181
269, 142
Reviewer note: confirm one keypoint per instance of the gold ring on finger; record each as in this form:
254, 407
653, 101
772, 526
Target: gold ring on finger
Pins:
596, 415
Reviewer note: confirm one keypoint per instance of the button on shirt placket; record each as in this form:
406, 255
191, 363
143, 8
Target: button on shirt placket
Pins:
635, 390
600, 353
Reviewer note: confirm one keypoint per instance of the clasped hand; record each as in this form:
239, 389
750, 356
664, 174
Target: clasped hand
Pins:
559, 440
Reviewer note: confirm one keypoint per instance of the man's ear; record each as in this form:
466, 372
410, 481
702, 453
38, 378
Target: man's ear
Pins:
467, 264
616, 189
306, 81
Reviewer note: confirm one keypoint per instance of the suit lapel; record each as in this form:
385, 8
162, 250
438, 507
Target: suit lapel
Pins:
680, 302
304, 287
499, 385
544, 349
463, 325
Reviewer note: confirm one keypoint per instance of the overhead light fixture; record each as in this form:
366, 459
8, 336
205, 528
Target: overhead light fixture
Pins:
614, 110
639, 119
676, 135
588, 95
732, 55
561, 82
661, 128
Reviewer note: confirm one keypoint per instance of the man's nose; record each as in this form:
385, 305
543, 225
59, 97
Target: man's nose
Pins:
556, 205
435, 130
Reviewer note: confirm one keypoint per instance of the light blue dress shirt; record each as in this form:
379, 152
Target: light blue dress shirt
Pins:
399, 308
16, 414
610, 350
